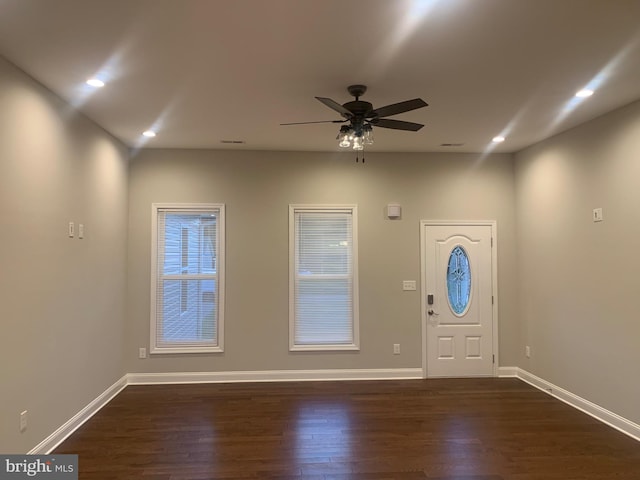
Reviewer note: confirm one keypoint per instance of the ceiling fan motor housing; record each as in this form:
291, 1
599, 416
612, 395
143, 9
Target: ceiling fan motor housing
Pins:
359, 108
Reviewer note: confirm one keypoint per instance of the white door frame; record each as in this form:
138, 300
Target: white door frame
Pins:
494, 283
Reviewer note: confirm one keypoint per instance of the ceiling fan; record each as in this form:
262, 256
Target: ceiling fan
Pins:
362, 117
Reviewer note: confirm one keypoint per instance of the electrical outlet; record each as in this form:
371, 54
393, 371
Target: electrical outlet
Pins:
396, 349
142, 352
23, 421
527, 351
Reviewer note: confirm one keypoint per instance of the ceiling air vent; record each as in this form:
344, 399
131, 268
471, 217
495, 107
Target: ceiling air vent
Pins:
233, 142
451, 144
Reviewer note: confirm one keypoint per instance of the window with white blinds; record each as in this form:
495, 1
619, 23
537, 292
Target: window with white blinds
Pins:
323, 286
187, 279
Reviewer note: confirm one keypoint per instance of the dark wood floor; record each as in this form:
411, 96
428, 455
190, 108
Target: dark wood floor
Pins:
471, 429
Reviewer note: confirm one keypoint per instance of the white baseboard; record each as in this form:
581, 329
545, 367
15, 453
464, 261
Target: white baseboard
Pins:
507, 372
75, 422
596, 411
274, 376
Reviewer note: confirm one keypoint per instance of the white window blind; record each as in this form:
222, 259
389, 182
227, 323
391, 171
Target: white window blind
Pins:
323, 269
187, 279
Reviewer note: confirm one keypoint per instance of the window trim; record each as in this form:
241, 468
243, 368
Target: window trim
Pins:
353, 210
220, 273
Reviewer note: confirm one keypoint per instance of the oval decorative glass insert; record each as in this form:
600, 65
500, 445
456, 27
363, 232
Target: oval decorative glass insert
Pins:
458, 280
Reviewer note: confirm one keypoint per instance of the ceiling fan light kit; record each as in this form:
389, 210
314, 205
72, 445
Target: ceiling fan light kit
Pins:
355, 138
362, 117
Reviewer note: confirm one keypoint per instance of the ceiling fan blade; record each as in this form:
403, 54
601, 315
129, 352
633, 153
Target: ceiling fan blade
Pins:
335, 106
396, 124
321, 121
397, 108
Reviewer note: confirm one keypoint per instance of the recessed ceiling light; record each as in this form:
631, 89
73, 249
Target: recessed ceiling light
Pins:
95, 82
149, 134
497, 139
584, 93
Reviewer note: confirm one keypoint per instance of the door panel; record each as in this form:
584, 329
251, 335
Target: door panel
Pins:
458, 273
474, 349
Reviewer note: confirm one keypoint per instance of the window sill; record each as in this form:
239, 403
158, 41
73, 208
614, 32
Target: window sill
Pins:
184, 350
323, 348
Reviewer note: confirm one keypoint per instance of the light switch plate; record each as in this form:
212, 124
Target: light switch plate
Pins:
408, 285
597, 215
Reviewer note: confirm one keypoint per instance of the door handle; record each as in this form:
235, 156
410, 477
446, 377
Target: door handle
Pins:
433, 317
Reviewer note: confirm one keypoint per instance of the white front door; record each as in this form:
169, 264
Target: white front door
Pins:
458, 294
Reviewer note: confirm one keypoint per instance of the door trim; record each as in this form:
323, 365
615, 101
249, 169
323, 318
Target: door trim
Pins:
494, 283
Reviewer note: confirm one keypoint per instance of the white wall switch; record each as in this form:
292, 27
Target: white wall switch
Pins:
396, 349
142, 352
597, 215
80, 230
527, 351
72, 230
408, 285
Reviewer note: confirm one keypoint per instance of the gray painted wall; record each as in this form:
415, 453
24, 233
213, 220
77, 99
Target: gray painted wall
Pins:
578, 280
257, 188
62, 299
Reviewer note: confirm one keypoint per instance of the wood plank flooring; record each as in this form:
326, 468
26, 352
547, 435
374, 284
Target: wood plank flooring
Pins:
448, 429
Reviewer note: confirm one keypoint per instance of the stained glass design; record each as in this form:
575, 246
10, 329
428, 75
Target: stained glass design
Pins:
458, 280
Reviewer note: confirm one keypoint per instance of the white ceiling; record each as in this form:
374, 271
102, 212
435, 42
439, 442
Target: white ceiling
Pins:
202, 71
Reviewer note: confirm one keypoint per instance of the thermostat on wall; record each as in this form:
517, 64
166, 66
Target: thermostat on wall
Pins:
394, 210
